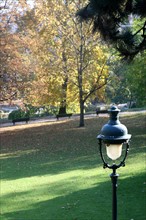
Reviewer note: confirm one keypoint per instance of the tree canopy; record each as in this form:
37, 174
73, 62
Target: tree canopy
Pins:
113, 19
14, 64
71, 67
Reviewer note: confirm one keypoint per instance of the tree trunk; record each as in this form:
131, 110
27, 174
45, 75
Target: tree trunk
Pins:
80, 78
81, 114
62, 109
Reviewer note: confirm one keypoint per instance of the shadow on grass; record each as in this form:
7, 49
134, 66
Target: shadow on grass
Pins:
41, 162
88, 204
48, 151
55, 148
38, 164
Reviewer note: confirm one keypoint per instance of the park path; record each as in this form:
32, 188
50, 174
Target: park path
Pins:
46, 119
53, 119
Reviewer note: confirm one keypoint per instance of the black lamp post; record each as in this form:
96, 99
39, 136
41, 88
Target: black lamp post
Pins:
114, 136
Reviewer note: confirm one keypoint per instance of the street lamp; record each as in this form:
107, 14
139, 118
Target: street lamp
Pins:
114, 136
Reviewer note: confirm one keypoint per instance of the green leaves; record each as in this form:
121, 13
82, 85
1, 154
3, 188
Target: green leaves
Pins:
17, 114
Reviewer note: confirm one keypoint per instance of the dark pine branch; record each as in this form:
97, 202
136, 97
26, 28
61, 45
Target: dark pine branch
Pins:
107, 17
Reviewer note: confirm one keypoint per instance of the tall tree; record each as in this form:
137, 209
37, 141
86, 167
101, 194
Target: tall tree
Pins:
110, 17
13, 64
72, 65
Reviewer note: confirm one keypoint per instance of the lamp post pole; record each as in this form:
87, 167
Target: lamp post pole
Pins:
114, 178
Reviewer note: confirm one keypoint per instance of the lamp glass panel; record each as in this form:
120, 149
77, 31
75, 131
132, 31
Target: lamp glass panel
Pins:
114, 151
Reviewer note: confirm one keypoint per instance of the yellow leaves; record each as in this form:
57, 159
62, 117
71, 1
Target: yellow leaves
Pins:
61, 47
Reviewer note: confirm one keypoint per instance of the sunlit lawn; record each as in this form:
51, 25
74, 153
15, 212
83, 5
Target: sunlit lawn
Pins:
53, 171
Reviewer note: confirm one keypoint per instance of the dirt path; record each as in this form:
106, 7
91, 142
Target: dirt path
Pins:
53, 119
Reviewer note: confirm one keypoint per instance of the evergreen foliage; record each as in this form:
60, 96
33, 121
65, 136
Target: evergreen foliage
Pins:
111, 18
17, 114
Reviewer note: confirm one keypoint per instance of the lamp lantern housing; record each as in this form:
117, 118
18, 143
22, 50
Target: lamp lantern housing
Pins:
114, 134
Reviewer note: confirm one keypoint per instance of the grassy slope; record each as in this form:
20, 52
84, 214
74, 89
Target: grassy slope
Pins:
54, 172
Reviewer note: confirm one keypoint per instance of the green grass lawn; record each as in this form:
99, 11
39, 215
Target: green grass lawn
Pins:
53, 171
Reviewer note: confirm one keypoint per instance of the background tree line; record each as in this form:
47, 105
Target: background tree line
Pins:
51, 57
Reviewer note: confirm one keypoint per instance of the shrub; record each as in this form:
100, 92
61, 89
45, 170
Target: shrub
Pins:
40, 111
18, 114
90, 108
